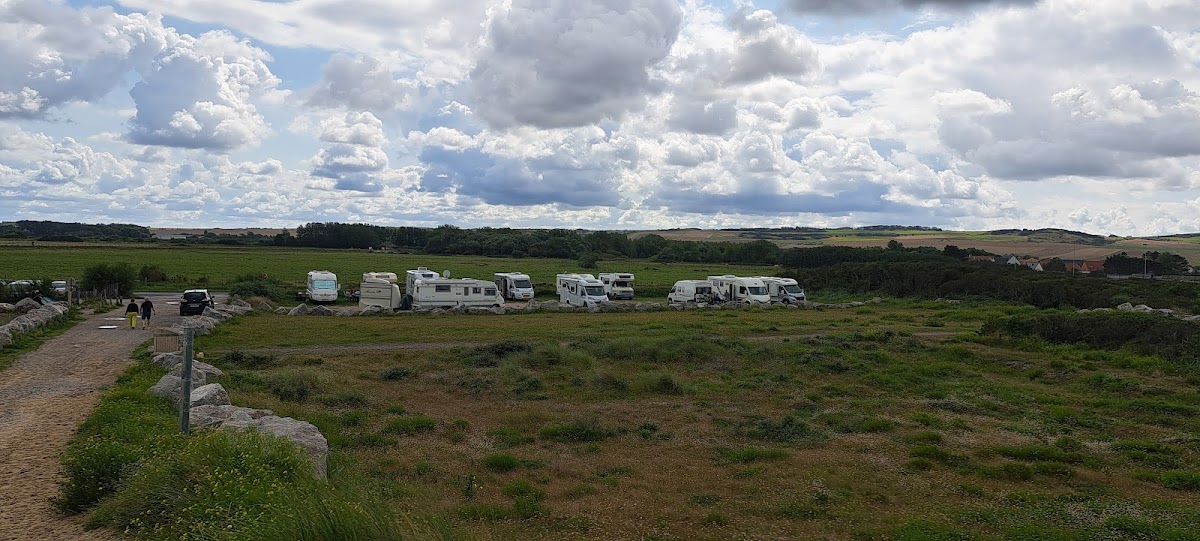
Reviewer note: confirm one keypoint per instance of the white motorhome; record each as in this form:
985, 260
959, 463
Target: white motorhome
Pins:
380, 289
443, 292
690, 291
618, 285
580, 290
745, 289
411, 277
783, 290
514, 286
322, 286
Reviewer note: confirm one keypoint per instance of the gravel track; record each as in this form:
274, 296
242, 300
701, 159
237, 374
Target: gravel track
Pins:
44, 396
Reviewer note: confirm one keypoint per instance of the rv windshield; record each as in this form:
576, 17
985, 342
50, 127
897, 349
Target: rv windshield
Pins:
523, 284
324, 284
793, 289
593, 291
757, 290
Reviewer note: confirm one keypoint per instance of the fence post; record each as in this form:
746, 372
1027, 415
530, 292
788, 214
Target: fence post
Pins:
185, 402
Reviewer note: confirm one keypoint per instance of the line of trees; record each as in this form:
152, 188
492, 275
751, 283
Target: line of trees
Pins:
60, 231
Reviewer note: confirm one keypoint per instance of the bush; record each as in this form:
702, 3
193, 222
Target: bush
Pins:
295, 386
491, 354
152, 274
257, 288
240, 359
785, 430
1169, 338
396, 373
581, 430
409, 426
113, 279
1181, 480
501, 463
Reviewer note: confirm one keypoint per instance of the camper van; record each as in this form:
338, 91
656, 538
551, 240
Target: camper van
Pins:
783, 290
580, 290
690, 291
744, 289
379, 289
322, 286
618, 285
411, 277
444, 292
514, 286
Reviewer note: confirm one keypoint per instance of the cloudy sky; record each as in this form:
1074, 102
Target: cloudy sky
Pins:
603, 114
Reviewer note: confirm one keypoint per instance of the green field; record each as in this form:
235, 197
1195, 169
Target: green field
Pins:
890, 421
215, 267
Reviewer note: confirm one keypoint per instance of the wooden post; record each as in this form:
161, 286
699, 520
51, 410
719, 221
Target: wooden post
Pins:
185, 403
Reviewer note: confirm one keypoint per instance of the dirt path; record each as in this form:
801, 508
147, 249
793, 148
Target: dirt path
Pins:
44, 396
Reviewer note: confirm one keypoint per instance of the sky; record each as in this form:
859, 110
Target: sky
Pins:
603, 114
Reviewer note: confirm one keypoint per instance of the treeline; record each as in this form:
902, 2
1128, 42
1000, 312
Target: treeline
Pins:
933, 279
60, 231
1157, 263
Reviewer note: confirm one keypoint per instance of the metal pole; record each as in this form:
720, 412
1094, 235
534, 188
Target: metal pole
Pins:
185, 402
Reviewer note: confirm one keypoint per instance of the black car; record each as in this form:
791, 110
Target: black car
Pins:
194, 302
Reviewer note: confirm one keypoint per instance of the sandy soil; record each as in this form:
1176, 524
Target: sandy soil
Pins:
44, 396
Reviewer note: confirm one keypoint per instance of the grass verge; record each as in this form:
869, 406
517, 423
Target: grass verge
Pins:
129, 469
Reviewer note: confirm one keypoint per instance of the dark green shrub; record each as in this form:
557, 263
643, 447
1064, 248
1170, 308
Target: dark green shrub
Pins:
501, 463
786, 430
491, 354
240, 359
295, 386
346, 399
749, 454
1181, 480
257, 288
580, 430
112, 278
396, 373
409, 426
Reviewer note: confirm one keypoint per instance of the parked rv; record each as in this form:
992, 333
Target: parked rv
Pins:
322, 286
691, 291
618, 285
783, 290
411, 277
580, 290
743, 289
444, 292
380, 289
514, 286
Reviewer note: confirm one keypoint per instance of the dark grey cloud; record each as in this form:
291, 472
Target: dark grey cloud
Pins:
861, 7
562, 63
516, 182
857, 198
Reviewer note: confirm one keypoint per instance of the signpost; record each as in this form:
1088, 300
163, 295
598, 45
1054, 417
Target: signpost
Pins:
185, 402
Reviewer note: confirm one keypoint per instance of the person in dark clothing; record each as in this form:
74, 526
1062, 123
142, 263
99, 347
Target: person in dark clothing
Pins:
131, 312
37, 296
147, 311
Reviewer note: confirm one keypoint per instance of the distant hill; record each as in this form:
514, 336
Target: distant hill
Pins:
1055, 235
61, 231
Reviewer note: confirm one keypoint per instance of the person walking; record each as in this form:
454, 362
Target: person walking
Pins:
147, 311
131, 312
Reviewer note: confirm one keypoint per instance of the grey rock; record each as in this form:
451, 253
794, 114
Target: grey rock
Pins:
215, 416
460, 309
498, 310
301, 310
263, 306
22, 325
479, 310
1166, 311
5, 338
202, 324
439, 311
168, 387
209, 371
1142, 308
301, 433
348, 312
199, 378
1125, 307
321, 311
547, 305
168, 360
216, 314
240, 303
283, 311
212, 394
6, 307
27, 304
792, 307
370, 310
236, 309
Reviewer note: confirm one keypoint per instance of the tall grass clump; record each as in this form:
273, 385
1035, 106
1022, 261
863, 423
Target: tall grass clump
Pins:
293, 386
670, 350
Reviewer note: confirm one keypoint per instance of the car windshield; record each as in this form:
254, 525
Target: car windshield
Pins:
593, 291
523, 284
757, 290
193, 296
793, 289
324, 284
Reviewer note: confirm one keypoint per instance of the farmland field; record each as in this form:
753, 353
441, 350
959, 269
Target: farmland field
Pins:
889, 421
215, 267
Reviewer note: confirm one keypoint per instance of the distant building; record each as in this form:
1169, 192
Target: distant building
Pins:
1083, 266
1032, 263
1009, 259
171, 236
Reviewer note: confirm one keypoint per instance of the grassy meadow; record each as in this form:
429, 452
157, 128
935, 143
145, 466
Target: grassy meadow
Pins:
889, 421
217, 266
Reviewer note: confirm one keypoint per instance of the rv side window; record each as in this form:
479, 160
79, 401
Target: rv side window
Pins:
476, 290
490, 292
441, 289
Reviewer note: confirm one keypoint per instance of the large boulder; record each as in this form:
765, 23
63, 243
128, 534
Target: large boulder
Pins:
283, 311
168, 387
299, 432
547, 305
5, 307
301, 310
168, 360
240, 303
370, 310
203, 324
5, 338
1125, 307
1142, 308
212, 394
209, 371
210, 415
216, 314
262, 306
22, 325
27, 304
236, 309
322, 311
